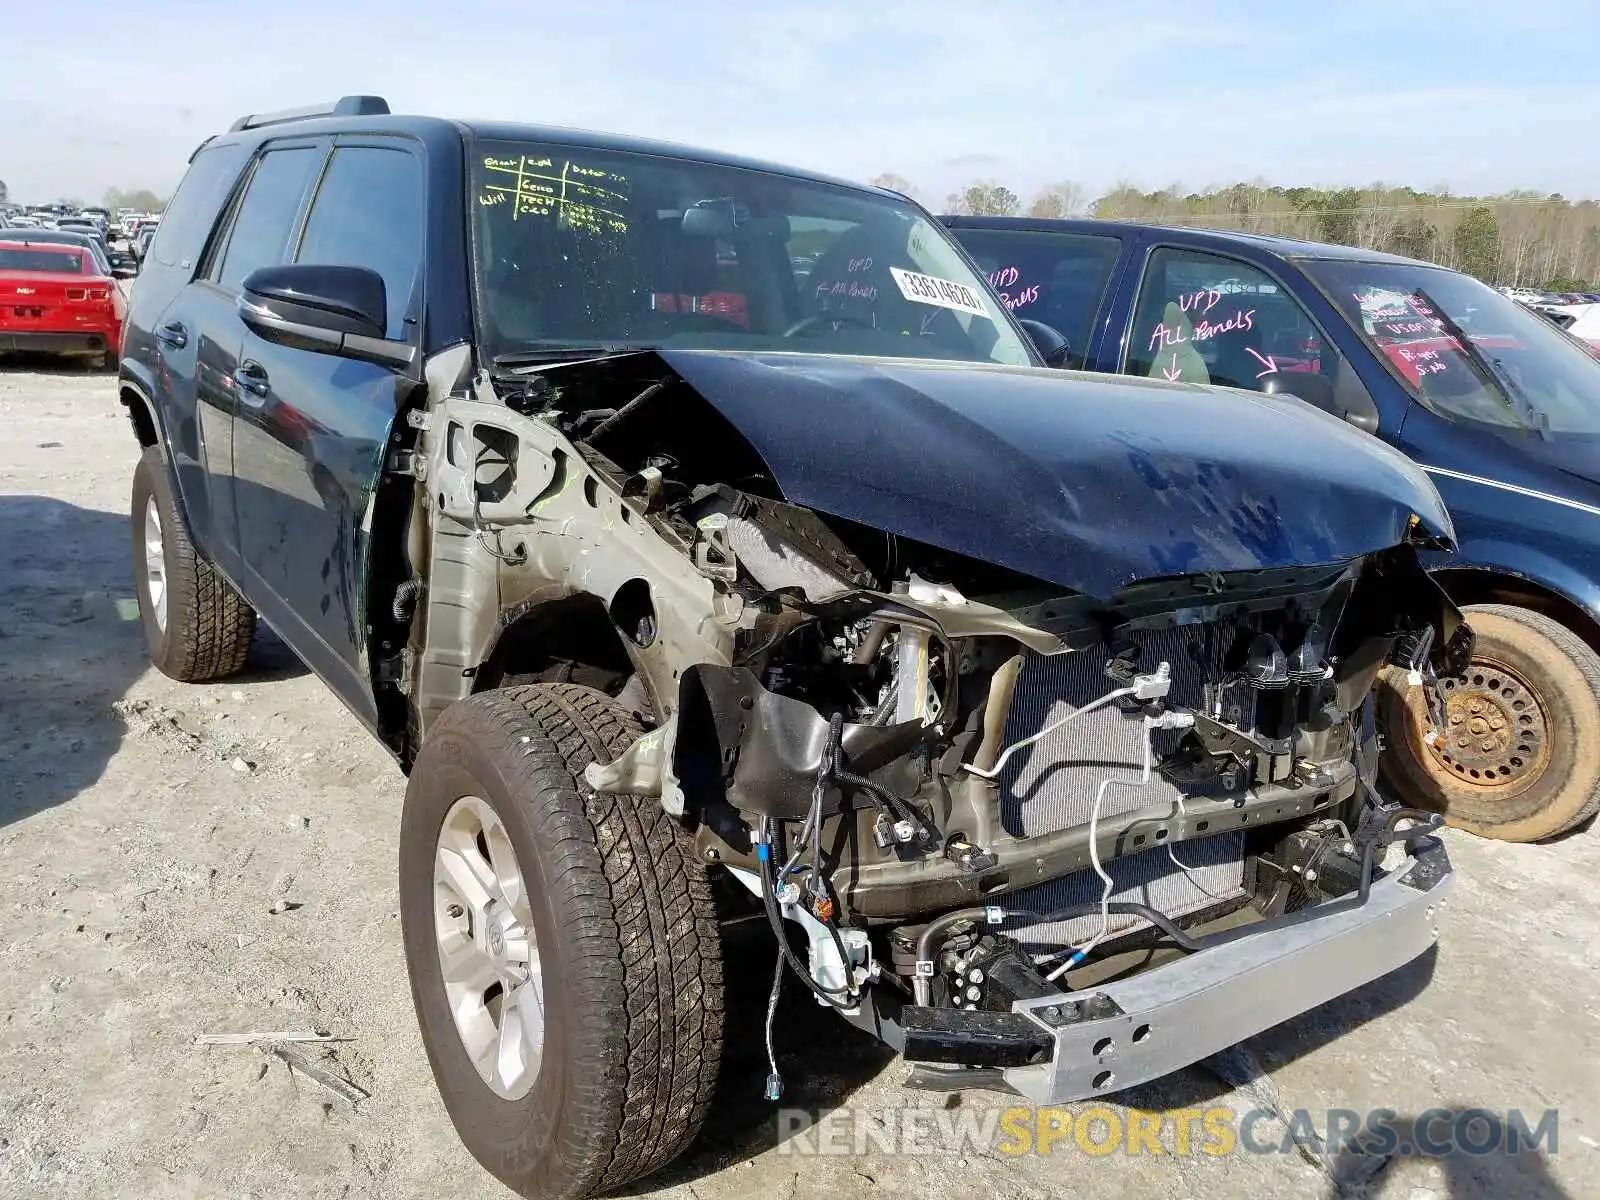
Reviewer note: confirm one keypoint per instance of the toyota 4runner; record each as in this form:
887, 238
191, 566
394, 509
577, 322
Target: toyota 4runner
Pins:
706, 539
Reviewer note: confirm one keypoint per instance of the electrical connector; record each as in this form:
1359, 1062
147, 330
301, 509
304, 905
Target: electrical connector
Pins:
883, 831
774, 1089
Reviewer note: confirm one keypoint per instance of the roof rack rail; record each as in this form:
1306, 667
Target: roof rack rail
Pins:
345, 106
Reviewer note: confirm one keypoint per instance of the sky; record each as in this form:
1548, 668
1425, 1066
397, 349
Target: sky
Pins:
1479, 95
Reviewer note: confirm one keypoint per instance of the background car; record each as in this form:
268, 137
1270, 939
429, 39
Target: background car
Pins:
1501, 408
139, 245
56, 299
88, 228
66, 237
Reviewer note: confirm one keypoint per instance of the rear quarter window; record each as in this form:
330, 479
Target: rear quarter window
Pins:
193, 209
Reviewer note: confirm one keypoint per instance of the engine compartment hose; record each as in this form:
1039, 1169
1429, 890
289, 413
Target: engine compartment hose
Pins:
405, 600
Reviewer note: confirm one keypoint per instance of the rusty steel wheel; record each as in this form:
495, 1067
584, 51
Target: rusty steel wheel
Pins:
1496, 733
1517, 758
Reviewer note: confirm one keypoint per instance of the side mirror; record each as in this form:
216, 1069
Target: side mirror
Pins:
1349, 401
1050, 342
332, 310
1309, 386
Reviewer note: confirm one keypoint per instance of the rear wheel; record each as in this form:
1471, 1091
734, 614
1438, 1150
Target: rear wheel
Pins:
563, 950
196, 627
1517, 759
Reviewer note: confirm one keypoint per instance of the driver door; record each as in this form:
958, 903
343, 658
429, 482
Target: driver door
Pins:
313, 428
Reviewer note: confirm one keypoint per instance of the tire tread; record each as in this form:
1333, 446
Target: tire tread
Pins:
209, 626
1582, 656
643, 943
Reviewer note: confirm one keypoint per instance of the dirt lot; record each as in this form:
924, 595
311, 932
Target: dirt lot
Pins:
182, 860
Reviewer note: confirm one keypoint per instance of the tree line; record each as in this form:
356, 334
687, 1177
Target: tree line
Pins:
138, 199
1520, 238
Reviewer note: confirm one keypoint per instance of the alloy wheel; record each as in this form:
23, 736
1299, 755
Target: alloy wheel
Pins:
488, 953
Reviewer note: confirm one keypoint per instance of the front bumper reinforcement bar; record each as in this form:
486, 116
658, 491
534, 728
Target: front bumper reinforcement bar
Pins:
1057, 1049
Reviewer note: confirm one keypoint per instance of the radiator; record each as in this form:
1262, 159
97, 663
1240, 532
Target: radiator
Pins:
1051, 785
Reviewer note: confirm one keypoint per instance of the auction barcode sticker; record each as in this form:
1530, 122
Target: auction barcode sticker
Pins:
930, 289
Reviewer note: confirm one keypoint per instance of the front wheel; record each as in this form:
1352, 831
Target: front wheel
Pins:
1517, 759
562, 946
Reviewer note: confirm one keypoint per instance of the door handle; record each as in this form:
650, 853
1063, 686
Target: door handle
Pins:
250, 376
174, 334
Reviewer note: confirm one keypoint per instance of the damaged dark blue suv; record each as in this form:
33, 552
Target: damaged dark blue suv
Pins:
706, 539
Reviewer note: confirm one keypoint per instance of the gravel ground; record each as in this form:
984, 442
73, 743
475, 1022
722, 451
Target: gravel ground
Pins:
179, 860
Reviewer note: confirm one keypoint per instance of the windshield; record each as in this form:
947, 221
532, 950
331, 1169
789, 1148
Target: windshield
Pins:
1514, 370
579, 247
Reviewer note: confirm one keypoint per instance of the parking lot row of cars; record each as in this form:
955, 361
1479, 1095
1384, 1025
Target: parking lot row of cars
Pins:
1576, 312
59, 278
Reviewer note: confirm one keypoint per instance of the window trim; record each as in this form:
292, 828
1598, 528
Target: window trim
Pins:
412, 320
216, 251
1144, 269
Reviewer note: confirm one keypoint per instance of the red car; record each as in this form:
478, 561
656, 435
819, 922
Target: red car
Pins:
54, 299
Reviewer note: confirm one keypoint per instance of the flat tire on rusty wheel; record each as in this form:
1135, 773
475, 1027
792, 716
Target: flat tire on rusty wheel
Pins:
1519, 755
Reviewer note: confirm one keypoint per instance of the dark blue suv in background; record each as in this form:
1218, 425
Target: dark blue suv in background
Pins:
1498, 406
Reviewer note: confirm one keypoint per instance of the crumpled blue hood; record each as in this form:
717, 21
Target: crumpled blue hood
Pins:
1091, 482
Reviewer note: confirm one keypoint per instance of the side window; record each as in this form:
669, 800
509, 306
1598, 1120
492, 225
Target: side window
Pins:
369, 213
265, 218
193, 210
1202, 318
1061, 279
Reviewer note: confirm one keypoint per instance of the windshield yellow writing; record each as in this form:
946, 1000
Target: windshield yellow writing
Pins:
578, 197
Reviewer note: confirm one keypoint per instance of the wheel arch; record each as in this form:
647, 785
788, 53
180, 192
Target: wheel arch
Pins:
1479, 585
572, 639
142, 417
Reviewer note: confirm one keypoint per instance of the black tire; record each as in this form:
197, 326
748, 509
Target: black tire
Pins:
1519, 761
207, 628
628, 945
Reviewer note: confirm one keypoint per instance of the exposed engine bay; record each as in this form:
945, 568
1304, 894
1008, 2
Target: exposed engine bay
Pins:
971, 788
